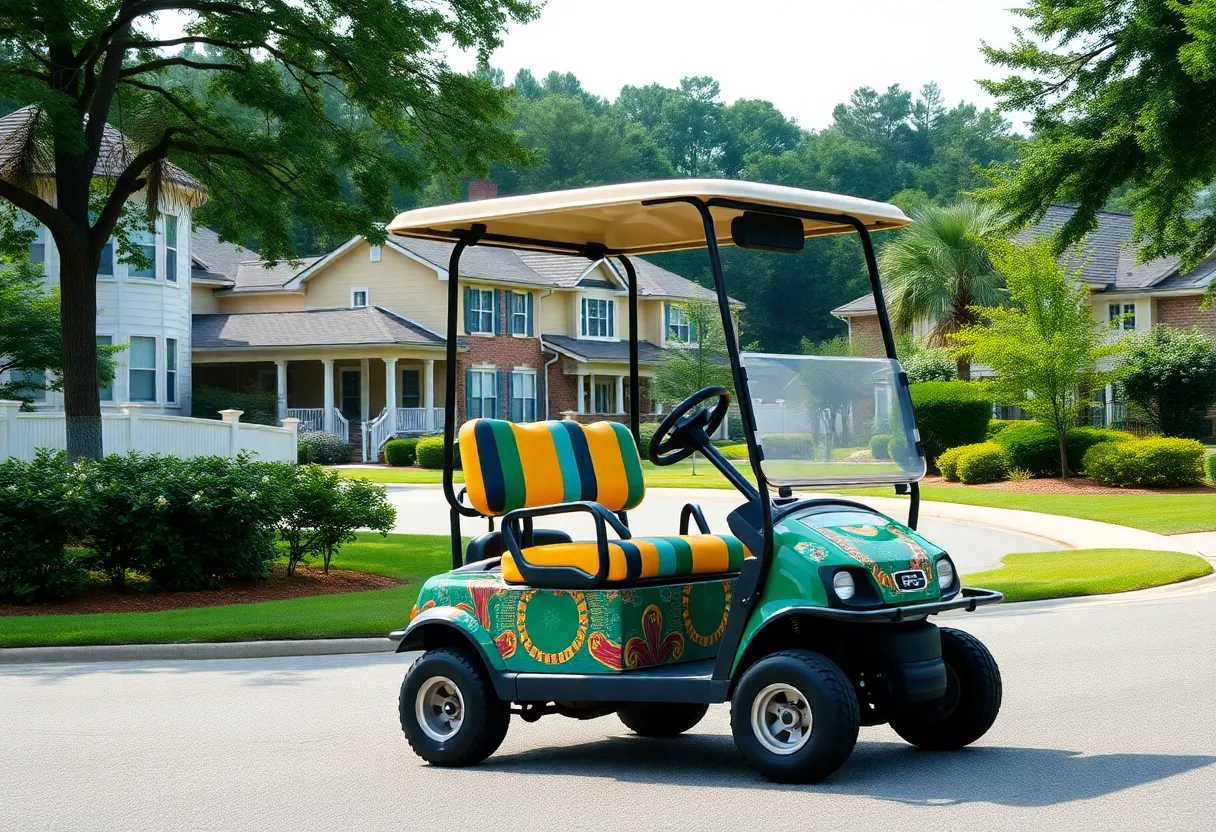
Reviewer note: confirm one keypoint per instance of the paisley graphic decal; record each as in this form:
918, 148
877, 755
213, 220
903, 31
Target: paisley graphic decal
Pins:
865, 560
919, 559
653, 650
706, 639
814, 552
481, 595
861, 531
580, 634
505, 642
604, 650
414, 612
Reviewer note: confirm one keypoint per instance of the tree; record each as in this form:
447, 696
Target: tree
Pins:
1044, 347
1170, 375
939, 270
1120, 92
293, 112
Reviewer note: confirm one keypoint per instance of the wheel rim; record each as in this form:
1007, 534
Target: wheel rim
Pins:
781, 718
439, 708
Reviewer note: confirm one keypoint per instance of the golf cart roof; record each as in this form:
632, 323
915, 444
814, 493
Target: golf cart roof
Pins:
637, 217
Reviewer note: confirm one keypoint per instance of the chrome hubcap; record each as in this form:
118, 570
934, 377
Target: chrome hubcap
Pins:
781, 718
439, 708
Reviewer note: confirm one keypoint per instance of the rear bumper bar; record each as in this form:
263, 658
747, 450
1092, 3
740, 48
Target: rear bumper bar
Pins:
968, 599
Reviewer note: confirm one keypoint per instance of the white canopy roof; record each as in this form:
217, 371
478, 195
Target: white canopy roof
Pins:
636, 218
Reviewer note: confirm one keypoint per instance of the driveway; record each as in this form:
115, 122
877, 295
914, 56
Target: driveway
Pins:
1107, 724
423, 510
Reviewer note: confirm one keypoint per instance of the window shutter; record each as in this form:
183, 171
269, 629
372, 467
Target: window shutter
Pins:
528, 305
611, 325
498, 409
498, 311
584, 316
666, 321
508, 326
468, 393
468, 310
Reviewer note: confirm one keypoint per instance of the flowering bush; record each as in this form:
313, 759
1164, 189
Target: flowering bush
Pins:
322, 511
322, 448
41, 510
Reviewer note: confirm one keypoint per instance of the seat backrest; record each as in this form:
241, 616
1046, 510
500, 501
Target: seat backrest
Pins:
509, 466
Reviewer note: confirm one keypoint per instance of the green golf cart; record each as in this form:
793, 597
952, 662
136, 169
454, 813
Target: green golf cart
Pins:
811, 616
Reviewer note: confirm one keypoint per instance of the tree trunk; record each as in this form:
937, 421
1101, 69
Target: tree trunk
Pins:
963, 367
78, 311
1063, 440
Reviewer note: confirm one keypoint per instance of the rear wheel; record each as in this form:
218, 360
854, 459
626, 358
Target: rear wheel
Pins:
794, 717
661, 719
971, 703
449, 712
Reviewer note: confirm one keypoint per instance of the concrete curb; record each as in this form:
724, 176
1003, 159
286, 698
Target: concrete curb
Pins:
199, 651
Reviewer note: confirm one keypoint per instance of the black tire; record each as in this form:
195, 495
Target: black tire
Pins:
661, 719
828, 695
971, 703
483, 717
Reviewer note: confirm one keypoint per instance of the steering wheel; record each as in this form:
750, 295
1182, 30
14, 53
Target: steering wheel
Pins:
680, 434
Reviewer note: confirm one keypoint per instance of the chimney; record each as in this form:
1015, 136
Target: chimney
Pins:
482, 189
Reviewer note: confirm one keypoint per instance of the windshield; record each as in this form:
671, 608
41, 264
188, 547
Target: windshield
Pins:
816, 417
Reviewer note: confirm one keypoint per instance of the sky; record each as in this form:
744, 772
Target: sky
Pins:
805, 56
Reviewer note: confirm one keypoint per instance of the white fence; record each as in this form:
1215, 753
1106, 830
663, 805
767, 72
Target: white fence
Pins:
22, 434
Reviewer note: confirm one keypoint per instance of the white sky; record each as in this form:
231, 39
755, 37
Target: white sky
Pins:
805, 56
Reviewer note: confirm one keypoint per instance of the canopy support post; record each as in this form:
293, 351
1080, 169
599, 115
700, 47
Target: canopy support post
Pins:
635, 392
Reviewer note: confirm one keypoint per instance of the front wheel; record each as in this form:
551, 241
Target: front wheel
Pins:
449, 712
661, 719
794, 717
971, 703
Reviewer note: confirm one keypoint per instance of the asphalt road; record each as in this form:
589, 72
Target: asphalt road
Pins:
1107, 725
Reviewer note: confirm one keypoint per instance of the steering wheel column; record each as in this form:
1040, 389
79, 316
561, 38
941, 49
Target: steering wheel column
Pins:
686, 430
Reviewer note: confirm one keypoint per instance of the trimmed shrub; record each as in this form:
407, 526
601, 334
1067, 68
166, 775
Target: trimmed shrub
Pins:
735, 450
995, 426
1211, 465
646, 432
950, 413
400, 453
981, 463
1156, 462
931, 365
788, 446
947, 463
261, 407
429, 452
1032, 446
880, 445
322, 448
323, 510
899, 450
734, 427
43, 505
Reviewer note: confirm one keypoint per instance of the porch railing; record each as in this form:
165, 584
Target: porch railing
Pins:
311, 417
411, 419
341, 426
375, 434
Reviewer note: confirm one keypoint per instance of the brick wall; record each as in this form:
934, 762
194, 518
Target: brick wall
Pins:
563, 389
505, 353
866, 334
1184, 313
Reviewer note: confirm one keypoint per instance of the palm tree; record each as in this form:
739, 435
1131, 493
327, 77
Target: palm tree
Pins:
938, 271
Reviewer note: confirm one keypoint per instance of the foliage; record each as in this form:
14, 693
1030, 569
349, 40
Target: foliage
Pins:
258, 407
735, 451
981, 463
429, 451
1210, 464
41, 511
734, 427
950, 413
880, 445
400, 452
702, 363
930, 365
1155, 462
947, 461
833, 388
322, 448
646, 432
788, 446
995, 426
1170, 375
1019, 475
1033, 446
1118, 92
322, 511
31, 339
1044, 347
939, 269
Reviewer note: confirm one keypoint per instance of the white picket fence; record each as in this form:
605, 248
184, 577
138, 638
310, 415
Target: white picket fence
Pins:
130, 429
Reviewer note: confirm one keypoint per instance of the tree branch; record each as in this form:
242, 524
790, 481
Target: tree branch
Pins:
54, 219
162, 63
128, 183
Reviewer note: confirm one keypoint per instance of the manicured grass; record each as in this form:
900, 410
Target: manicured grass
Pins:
374, 613
1035, 576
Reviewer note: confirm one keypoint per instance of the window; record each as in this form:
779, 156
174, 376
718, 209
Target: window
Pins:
33, 383
602, 397
482, 395
358, 298
679, 328
141, 369
479, 317
105, 393
375, 253
521, 313
523, 396
38, 252
410, 396
1129, 309
146, 242
170, 248
105, 269
171, 370
597, 318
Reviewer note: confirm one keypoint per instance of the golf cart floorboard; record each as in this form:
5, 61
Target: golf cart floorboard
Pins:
683, 682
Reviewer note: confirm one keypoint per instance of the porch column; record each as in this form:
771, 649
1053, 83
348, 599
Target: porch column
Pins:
591, 393
281, 388
390, 393
365, 390
620, 394
582, 384
327, 412
428, 394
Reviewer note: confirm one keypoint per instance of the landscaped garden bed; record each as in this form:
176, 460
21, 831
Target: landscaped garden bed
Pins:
1072, 485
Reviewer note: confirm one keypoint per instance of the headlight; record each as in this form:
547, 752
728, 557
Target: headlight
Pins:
842, 582
945, 573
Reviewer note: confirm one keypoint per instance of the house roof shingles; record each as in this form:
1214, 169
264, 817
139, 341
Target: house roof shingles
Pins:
611, 351
367, 326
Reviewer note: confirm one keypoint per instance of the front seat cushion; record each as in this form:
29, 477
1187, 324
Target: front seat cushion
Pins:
639, 558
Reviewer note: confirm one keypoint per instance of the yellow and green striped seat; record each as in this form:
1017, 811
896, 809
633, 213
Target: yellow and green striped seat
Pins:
639, 558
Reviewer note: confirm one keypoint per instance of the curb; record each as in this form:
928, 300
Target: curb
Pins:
197, 651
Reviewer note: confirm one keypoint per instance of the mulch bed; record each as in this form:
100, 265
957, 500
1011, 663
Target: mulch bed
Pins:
304, 583
1072, 485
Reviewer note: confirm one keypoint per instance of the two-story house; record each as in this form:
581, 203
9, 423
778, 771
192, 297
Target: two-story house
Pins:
1140, 296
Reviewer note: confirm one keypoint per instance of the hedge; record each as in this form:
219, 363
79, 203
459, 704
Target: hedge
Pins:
429, 451
981, 463
788, 446
1156, 462
947, 463
995, 426
321, 448
259, 407
1032, 446
400, 453
646, 431
1211, 464
949, 413
880, 446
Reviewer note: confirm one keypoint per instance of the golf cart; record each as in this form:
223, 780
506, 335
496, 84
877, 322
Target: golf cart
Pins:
811, 616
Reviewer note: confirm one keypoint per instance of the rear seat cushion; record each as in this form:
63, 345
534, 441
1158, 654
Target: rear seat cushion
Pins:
640, 558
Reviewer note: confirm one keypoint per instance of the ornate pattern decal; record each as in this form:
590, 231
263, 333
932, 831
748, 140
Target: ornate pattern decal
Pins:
652, 650
865, 560
920, 558
505, 643
705, 640
863, 531
604, 650
580, 634
811, 550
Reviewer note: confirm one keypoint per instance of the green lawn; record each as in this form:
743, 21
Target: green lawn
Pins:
374, 613
1035, 576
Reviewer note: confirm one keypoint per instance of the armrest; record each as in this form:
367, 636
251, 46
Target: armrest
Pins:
694, 511
562, 577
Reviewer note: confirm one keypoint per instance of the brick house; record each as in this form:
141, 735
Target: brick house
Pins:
1152, 293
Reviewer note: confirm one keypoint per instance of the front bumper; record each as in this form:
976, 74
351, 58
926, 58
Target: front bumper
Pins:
967, 599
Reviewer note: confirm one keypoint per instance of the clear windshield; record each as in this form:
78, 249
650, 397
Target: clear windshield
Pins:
816, 417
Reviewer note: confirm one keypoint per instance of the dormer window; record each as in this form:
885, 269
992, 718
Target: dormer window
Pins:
597, 315
358, 298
